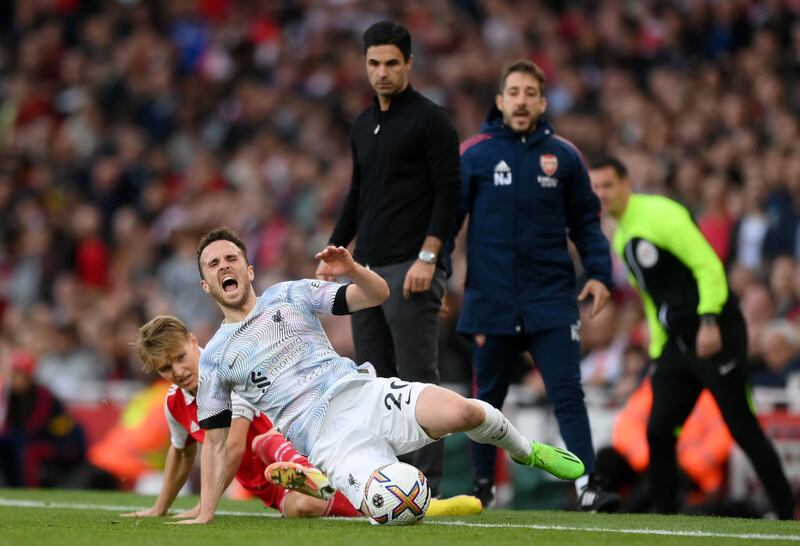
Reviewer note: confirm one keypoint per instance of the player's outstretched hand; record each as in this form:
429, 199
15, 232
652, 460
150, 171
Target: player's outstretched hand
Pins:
149, 513
195, 521
189, 514
322, 266
334, 261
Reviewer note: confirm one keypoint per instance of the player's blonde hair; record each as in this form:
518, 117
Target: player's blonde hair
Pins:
159, 340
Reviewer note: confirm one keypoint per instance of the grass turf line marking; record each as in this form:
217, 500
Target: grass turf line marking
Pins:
116, 508
535, 526
644, 531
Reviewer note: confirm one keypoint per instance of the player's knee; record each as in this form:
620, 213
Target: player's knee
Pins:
303, 506
468, 415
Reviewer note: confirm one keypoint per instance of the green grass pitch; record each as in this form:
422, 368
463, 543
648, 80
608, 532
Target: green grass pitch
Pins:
67, 518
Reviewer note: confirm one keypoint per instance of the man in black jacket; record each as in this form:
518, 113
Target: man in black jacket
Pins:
401, 206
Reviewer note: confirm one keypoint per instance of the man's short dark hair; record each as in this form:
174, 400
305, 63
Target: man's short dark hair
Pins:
610, 161
219, 234
388, 33
525, 66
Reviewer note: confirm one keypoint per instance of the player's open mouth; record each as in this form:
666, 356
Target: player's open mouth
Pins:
229, 283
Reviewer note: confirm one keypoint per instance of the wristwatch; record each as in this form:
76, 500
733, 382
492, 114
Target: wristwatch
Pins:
708, 319
427, 256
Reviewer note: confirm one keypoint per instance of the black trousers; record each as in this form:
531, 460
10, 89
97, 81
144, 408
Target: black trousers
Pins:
401, 339
677, 382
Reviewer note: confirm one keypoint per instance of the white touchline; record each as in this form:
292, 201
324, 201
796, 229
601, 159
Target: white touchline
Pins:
115, 508
664, 532
539, 527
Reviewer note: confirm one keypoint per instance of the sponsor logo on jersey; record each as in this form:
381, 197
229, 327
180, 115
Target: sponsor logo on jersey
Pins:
260, 381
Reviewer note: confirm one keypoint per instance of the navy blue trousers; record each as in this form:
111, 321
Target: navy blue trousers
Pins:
557, 357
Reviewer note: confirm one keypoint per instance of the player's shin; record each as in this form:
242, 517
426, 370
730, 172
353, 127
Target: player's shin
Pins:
272, 448
497, 431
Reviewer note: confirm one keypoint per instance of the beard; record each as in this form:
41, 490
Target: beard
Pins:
219, 296
529, 125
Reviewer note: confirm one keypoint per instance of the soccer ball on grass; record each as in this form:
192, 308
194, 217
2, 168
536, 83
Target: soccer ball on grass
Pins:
397, 494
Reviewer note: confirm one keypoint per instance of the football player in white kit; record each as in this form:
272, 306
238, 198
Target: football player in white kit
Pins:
272, 351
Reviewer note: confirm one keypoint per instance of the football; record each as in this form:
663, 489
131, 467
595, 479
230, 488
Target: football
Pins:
397, 494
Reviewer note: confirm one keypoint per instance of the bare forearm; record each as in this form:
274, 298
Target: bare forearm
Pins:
230, 473
214, 461
368, 289
236, 446
177, 468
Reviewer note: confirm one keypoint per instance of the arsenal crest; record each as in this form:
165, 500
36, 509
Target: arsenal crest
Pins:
549, 164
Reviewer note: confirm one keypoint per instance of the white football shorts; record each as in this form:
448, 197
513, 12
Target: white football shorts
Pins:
366, 426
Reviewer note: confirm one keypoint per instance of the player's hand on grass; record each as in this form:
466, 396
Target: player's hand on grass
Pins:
189, 514
335, 261
196, 521
149, 513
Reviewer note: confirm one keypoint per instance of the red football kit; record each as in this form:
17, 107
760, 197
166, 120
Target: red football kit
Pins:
181, 411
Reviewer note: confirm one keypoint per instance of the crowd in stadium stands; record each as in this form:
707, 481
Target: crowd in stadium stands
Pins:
128, 128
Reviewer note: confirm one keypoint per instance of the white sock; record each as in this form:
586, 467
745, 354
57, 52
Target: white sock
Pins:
497, 431
581, 482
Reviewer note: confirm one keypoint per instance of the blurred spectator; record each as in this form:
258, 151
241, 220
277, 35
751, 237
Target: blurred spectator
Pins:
604, 343
716, 222
757, 309
747, 235
71, 368
794, 313
39, 442
634, 367
91, 252
781, 284
780, 353
178, 281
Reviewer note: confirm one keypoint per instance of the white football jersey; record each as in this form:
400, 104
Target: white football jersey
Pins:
278, 359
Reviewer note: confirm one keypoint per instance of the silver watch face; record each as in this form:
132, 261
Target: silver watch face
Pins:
427, 256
